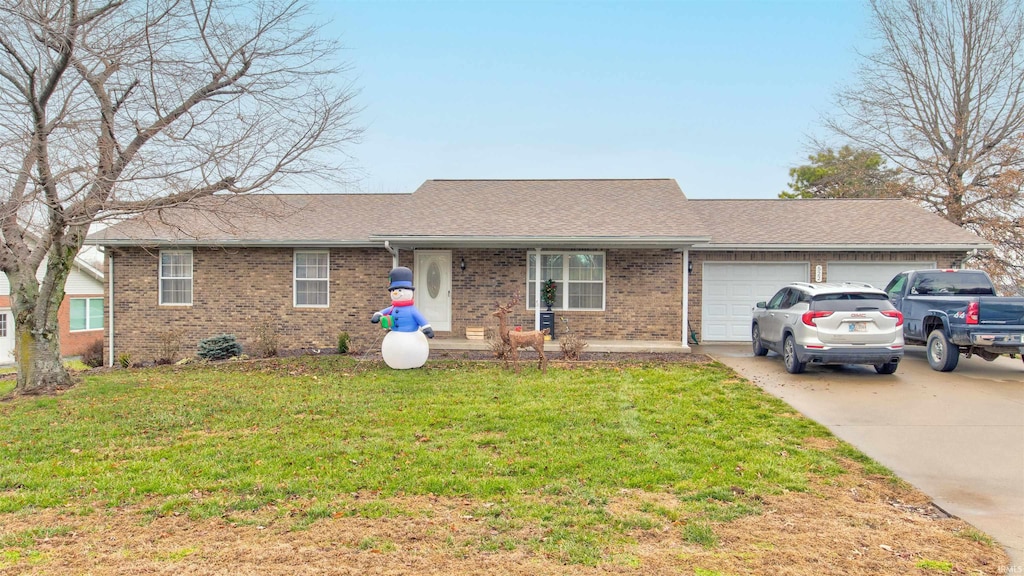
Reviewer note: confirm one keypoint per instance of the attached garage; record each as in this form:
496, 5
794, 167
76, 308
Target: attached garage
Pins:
877, 274
730, 290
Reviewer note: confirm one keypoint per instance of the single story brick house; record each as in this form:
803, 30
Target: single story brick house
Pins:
80, 315
634, 260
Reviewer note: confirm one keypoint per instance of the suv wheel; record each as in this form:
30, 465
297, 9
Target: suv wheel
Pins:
942, 354
755, 335
793, 364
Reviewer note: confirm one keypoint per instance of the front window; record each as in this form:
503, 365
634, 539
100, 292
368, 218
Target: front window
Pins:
86, 314
176, 277
579, 279
312, 271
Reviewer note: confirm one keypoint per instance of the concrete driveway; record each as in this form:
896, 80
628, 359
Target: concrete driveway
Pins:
957, 436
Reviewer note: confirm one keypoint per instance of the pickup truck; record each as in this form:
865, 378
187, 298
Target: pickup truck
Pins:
957, 311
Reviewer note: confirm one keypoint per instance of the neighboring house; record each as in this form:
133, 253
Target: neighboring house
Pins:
80, 315
634, 260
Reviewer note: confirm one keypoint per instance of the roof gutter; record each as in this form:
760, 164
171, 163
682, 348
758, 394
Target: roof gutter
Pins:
394, 253
841, 247
219, 243
534, 242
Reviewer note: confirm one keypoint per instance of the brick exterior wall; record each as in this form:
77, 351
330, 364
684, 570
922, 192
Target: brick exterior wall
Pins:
698, 258
643, 294
235, 291
239, 290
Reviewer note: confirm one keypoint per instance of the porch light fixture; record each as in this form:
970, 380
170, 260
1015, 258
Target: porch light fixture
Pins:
462, 265
689, 267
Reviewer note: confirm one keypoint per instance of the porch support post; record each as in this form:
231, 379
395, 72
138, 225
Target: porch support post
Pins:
536, 291
686, 298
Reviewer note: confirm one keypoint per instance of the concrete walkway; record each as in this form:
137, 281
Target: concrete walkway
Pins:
956, 436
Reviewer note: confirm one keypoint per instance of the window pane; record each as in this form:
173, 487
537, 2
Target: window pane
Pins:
95, 313
311, 265
177, 291
551, 267
586, 295
176, 264
586, 267
310, 293
78, 309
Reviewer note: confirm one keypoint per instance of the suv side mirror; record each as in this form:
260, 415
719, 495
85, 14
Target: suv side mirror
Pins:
761, 305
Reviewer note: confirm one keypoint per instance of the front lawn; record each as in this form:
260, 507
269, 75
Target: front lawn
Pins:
655, 468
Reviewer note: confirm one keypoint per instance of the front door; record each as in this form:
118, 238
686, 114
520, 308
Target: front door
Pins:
434, 287
6, 337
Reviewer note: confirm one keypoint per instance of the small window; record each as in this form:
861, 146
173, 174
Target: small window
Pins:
86, 314
312, 279
3, 325
176, 277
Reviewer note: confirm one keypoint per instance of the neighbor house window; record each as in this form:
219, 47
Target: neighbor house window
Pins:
312, 282
86, 314
578, 276
176, 277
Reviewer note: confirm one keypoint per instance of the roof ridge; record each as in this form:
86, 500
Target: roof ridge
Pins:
548, 179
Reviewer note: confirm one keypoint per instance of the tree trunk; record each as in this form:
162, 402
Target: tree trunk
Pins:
35, 306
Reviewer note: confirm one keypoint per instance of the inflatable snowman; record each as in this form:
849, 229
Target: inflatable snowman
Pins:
405, 345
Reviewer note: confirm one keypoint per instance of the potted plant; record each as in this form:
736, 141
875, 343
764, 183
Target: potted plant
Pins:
550, 288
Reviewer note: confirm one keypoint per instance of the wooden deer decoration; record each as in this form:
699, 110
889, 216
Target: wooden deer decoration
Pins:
516, 340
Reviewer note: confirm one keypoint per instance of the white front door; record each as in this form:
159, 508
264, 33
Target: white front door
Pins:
6, 337
434, 287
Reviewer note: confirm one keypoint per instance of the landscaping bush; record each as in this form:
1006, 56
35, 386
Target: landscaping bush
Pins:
170, 346
266, 340
343, 343
219, 347
93, 355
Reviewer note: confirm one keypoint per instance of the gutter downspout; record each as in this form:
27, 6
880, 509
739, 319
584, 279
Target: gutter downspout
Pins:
110, 305
536, 290
394, 253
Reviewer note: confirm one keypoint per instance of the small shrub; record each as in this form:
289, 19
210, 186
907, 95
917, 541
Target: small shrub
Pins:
266, 340
93, 355
572, 345
219, 347
343, 343
124, 359
169, 346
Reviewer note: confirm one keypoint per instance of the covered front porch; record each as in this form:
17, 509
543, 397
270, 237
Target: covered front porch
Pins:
622, 346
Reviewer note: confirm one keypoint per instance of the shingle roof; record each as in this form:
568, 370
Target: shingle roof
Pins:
547, 211
313, 219
820, 223
576, 213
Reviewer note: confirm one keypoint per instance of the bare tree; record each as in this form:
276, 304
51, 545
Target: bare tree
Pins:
941, 99
115, 107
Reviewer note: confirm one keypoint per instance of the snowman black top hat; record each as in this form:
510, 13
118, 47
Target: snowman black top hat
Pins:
400, 277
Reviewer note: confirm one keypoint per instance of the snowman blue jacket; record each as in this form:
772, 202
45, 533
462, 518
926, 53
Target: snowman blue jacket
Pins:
405, 318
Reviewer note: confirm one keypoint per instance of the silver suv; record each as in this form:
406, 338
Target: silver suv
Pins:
847, 323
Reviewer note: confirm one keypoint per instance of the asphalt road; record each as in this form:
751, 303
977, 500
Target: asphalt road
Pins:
956, 436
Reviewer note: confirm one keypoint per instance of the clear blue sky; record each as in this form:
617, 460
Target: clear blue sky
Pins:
719, 95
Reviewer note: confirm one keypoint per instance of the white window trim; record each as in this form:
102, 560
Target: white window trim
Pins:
87, 315
565, 254
295, 279
191, 278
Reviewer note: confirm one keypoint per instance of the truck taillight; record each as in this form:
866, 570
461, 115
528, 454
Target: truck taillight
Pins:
972, 313
810, 316
894, 314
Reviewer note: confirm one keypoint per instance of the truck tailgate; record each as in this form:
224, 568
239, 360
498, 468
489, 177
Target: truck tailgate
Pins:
1001, 311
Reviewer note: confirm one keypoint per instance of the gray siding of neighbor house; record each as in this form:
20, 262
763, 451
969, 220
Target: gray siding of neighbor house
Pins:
243, 290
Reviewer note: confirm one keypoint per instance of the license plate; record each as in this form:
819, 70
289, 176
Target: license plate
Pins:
858, 326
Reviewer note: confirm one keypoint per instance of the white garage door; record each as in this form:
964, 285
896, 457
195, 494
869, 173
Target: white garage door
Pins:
877, 274
731, 289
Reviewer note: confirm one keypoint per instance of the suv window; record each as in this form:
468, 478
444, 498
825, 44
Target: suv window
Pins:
851, 302
791, 299
773, 304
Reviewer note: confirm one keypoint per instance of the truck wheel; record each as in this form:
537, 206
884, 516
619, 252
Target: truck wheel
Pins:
755, 334
887, 368
793, 364
942, 354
